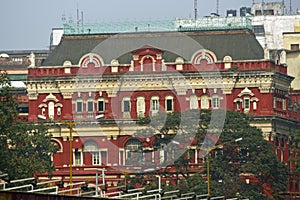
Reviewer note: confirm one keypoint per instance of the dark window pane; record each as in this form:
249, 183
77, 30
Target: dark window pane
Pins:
79, 106
126, 106
90, 106
100, 105
169, 104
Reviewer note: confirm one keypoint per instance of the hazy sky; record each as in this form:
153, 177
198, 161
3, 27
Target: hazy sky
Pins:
27, 24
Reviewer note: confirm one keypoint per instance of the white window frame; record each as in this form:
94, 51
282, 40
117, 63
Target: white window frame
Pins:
274, 102
81, 102
87, 106
126, 113
43, 111
58, 112
51, 109
254, 105
98, 154
96, 158
283, 104
122, 157
140, 106
194, 102
167, 99
246, 103
238, 105
133, 151
204, 101
98, 107
75, 162
123, 104
215, 101
154, 106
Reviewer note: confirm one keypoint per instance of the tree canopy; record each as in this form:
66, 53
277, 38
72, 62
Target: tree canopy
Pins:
25, 148
248, 168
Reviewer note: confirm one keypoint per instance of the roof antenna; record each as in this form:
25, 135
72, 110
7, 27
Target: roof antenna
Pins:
78, 20
82, 21
218, 4
262, 7
195, 9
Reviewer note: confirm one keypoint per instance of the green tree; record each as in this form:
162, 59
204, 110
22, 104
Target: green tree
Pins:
251, 158
295, 150
25, 148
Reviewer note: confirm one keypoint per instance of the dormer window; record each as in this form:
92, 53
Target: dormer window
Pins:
58, 110
204, 55
247, 99
91, 60
246, 104
43, 111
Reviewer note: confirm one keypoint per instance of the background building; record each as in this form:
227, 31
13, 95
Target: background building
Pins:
15, 63
291, 42
268, 8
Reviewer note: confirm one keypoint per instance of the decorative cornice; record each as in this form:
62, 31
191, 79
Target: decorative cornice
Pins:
67, 94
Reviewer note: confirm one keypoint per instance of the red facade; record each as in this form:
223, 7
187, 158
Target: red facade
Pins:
143, 86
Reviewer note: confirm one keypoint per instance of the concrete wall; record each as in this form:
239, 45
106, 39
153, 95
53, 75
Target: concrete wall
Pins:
293, 57
275, 26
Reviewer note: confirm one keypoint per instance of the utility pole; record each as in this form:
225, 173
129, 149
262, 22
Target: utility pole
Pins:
70, 124
71, 153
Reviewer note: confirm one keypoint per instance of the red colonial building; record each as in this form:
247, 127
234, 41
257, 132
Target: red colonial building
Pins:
97, 85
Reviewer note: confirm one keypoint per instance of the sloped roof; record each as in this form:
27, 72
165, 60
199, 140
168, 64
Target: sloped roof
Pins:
239, 44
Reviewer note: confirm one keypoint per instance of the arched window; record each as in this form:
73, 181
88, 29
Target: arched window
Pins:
90, 146
90, 106
169, 104
51, 110
147, 63
204, 102
99, 156
133, 152
79, 105
193, 102
56, 145
203, 55
91, 59
126, 107
248, 100
101, 104
246, 104
154, 105
140, 106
